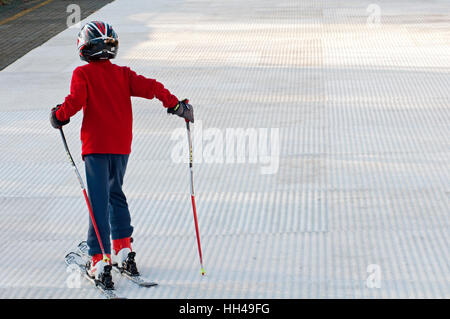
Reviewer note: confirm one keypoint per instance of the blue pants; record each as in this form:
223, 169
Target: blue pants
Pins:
104, 176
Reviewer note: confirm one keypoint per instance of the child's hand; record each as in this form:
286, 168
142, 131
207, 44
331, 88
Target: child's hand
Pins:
54, 120
184, 110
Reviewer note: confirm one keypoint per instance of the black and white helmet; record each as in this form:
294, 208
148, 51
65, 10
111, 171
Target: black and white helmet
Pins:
97, 41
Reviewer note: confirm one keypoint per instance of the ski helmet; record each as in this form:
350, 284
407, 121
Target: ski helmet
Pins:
97, 41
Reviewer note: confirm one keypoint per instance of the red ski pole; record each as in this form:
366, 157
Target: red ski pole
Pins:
80, 180
203, 272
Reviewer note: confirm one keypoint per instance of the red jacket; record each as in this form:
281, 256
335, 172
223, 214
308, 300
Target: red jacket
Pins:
104, 91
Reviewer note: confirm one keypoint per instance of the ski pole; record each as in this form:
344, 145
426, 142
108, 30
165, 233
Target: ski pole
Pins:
80, 180
203, 272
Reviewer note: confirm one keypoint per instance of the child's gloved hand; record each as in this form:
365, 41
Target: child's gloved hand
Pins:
184, 110
54, 120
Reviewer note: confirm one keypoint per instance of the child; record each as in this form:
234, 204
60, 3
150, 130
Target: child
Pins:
104, 92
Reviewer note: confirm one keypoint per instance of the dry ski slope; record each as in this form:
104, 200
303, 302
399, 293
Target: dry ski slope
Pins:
355, 200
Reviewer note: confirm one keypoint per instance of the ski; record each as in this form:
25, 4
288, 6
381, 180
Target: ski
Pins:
77, 260
136, 279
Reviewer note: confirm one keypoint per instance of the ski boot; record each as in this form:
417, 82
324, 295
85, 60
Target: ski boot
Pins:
123, 256
100, 270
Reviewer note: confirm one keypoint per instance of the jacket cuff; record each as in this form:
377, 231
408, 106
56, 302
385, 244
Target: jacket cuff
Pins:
58, 115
